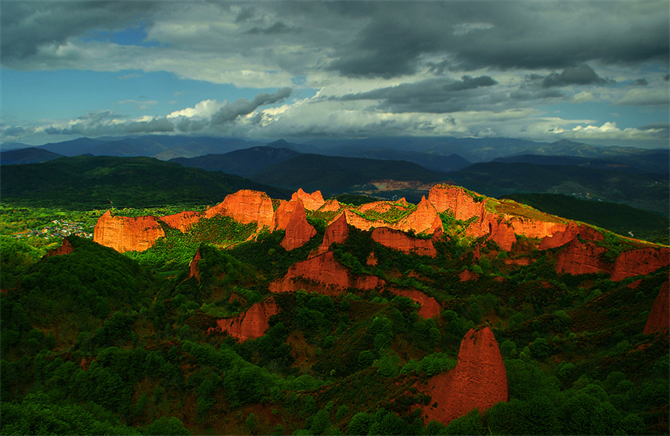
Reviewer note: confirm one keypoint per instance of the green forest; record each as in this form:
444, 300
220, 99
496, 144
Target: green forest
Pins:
99, 342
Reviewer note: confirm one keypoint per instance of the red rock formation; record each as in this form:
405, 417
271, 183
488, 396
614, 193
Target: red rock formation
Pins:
127, 234
429, 305
535, 229
361, 223
336, 232
659, 318
246, 207
478, 380
423, 220
522, 261
193, 266
643, 261
466, 276
298, 230
400, 241
581, 258
455, 199
283, 214
65, 248
251, 324
182, 221
377, 206
562, 237
311, 201
323, 274
371, 260
330, 206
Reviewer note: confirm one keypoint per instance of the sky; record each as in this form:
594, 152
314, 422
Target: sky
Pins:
593, 72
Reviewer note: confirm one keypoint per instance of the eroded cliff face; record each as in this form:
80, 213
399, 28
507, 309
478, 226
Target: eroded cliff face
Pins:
565, 236
193, 266
659, 319
127, 234
400, 241
579, 258
336, 232
246, 206
643, 261
424, 219
182, 221
298, 230
65, 248
478, 380
330, 206
457, 200
251, 324
322, 274
311, 201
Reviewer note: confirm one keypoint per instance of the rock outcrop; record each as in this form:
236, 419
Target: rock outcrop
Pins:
182, 221
424, 219
429, 305
65, 248
311, 201
659, 318
478, 380
336, 232
298, 230
565, 236
127, 234
322, 274
400, 241
579, 258
636, 262
246, 207
330, 206
251, 324
467, 275
193, 266
457, 200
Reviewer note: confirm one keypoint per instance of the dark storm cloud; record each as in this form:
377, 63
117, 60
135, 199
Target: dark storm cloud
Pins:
580, 75
655, 126
245, 13
242, 106
276, 29
525, 94
26, 26
641, 82
100, 123
432, 95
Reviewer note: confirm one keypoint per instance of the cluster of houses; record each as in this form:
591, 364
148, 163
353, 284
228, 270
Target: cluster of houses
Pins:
59, 229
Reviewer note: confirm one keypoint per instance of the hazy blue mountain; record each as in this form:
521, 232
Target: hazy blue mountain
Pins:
26, 156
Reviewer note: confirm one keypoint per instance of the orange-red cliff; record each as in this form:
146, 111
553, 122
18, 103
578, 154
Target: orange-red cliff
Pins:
311, 201
659, 318
298, 230
246, 207
127, 234
478, 380
251, 324
400, 241
65, 248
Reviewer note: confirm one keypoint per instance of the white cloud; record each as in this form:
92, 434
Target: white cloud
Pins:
644, 97
204, 109
582, 97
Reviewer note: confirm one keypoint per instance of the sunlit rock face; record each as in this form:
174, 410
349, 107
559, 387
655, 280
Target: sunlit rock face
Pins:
478, 380
636, 262
400, 241
312, 201
336, 232
298, 230
127, 234
246, 206
322, 274
430, 308
572, 231
251, 324
456, 200
182, 221
193, 266
581, 258
659, 319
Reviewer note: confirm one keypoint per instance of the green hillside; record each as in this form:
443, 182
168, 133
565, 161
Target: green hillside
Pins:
334, 175
98, 342
96, 182
643, 191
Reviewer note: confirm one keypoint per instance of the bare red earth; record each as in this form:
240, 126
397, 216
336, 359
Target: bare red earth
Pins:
659, 319
455, 199
636, 262
423, 220
565, 236
466, 276
478, 380
580, 258
251, 324
193, 266
127, 234
311, 201
298, 230
182, 221
330, 206
400, 241
65, 248
246, 207
323, 274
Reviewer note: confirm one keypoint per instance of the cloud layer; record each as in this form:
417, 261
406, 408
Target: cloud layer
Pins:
378, 68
